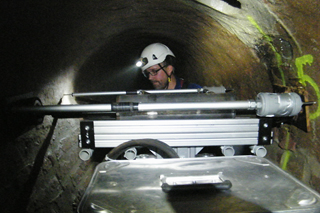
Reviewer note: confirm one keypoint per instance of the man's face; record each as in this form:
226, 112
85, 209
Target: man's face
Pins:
160, 79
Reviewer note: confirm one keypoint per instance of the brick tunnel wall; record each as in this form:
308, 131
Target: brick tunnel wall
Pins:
52, 48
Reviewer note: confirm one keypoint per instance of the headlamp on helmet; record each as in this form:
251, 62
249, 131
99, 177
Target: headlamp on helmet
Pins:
142, 62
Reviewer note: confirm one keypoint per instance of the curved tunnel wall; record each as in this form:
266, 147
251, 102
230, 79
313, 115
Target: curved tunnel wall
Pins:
54, 48
198, 41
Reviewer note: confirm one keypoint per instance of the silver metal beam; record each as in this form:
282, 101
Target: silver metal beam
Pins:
178, 133
226, 105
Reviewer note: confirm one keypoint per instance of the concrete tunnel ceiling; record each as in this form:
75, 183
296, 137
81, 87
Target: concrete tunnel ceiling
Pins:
213, 40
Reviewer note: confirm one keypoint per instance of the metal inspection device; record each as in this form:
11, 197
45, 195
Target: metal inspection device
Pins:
186, 120
159, 159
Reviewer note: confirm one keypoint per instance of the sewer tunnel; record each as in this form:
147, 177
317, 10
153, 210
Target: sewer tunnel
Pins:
52, 48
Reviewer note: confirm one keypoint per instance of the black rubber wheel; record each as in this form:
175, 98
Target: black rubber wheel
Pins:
163, 149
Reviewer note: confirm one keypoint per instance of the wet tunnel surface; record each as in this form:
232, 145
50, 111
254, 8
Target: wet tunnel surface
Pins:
52, 48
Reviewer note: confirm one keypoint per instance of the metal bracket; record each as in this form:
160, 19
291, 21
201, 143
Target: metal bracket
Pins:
87, 134
265, 127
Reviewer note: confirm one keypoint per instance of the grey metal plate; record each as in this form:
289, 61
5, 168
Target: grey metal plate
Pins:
177, 133
257, 186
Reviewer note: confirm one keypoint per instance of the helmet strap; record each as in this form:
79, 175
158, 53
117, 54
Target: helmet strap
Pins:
169, 76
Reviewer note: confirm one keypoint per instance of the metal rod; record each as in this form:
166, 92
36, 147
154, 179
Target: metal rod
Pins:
309, 103
267, 105
123, 107
64, 108
98, 93
227, 105
175, 91
138, 92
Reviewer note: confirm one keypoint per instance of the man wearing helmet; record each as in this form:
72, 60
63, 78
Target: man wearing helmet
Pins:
158, 63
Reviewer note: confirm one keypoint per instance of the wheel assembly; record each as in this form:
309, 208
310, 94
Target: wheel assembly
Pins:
164, 150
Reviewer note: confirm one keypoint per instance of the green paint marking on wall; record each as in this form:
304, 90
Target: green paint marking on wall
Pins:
286, 155
300, 62
270, 42
304, 79
303, 60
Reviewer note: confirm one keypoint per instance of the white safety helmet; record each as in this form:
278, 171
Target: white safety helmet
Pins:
153, 54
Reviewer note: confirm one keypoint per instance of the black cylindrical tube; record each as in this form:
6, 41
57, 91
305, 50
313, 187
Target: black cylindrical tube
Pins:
124, 107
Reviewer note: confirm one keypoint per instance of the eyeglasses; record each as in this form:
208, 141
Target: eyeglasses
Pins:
152, 72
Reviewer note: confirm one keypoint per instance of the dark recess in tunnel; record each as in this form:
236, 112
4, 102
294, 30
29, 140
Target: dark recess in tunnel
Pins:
233, 3
112, 67
33, 41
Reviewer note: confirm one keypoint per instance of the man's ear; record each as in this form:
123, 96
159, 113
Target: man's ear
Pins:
170, 70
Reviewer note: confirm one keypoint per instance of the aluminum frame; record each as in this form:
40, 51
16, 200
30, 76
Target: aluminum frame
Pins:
176, 133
